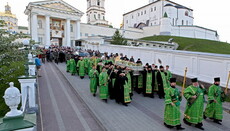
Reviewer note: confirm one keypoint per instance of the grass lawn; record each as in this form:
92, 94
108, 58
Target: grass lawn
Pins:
197, 45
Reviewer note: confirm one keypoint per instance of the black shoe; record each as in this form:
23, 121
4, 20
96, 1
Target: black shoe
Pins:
125, 104
186, 122
105, 100
204, 116
152, 96
199, 127
168, 126
94, 95
179, 127
217, 121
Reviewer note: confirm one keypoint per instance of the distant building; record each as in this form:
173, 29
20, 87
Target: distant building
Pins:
165, 17
11, 22
57, 22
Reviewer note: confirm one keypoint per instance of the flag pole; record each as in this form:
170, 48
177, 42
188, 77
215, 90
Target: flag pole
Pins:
184, 81
226, 89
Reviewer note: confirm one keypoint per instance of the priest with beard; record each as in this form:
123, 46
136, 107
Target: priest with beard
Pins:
112, 77
162, 82
124, 96
148, 82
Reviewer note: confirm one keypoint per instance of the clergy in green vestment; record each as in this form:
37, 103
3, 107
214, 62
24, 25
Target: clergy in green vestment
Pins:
90, 64
169, 74
148, 82
216, 97
81, 67
67, 65
93, 75
173, 99
194, 94
86, 60
128, 75
103, 83
72, 66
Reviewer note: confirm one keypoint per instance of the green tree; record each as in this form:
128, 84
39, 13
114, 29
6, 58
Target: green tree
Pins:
12, 61
118, 39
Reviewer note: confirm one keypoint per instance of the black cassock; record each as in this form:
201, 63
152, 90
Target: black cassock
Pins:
112, 76
161, 92
119, 87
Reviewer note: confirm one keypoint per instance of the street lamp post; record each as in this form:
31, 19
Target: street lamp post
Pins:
26, 43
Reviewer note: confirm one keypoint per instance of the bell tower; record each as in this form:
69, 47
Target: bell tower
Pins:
8, 9
96, 12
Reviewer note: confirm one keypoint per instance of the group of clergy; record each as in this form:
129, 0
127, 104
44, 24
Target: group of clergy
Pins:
118, 82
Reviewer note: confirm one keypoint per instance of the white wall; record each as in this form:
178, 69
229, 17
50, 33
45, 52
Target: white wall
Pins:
93, 30
205, 66
194, 32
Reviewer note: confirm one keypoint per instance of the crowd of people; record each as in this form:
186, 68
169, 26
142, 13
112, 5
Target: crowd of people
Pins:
113, 76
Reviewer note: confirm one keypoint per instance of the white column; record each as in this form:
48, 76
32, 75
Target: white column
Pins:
47, 31
34, 28
77, 30
67, 32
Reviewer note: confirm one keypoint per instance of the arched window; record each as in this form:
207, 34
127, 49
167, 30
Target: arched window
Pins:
98, 2
182, 22
71, 27
173, 21
186, 13
99, 16
39, 24
103, 17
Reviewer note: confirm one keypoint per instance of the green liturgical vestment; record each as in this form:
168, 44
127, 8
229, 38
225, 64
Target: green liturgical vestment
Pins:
169, 75
93, 75
140, 81
149, 83
129, 82
68, 65
215, 110
103, 82
164, 80
126, 93
194, 108
172, 113
81, 67
72, 66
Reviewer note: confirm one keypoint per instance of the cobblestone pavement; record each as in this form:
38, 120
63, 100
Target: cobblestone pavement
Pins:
143, 114
61, 108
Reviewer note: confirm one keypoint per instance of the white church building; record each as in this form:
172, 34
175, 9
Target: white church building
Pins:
165, 17
57, 22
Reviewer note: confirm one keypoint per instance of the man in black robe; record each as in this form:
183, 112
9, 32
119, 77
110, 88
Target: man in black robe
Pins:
160, 82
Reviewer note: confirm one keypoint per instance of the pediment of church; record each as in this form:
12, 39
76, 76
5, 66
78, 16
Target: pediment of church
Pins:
57, 5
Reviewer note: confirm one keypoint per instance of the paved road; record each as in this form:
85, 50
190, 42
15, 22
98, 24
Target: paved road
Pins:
143, 114
61, 107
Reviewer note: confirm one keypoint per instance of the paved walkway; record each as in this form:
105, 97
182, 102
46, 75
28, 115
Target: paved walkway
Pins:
143, 114
61, 108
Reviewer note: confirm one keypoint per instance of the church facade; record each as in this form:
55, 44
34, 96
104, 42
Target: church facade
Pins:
59, 23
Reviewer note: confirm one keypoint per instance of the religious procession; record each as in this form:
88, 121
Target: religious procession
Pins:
116, 77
